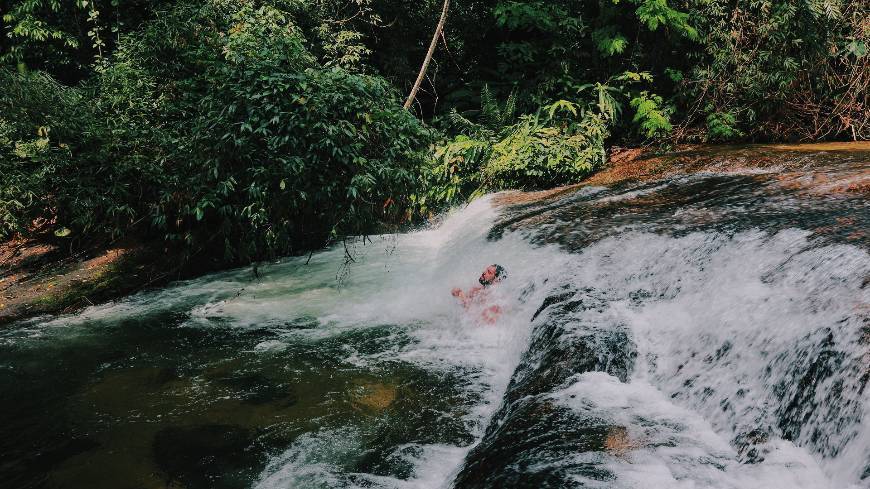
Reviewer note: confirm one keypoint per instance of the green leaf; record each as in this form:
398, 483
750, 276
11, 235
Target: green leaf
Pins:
857, 48
608, 41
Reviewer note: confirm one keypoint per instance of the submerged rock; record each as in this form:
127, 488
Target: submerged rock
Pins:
208, 456
752, 445
373, 396
532, 446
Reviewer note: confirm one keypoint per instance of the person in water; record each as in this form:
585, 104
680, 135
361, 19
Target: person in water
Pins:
476, 295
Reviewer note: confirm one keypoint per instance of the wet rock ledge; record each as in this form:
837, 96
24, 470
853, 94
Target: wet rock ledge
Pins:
530, 438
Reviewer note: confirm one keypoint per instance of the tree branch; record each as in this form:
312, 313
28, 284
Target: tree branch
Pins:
428, 58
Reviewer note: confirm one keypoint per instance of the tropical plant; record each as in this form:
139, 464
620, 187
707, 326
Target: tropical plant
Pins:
216, 127
491, 118
558, 144
776, 69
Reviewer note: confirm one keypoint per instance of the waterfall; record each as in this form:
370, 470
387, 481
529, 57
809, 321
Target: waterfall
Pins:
710, 330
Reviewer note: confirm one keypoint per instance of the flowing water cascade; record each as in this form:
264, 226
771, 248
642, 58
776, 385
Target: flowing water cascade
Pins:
701, 331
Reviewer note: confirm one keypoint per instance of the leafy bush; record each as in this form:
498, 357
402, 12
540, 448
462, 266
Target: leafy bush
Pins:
559, 144
286, 160
651, 116
217, 127
68, 161
286, 153
776, 69
20, 188
722, 126
539, 153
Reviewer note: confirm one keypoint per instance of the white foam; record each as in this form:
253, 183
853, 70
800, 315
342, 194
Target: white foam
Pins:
670, 446
408, 288
725, 323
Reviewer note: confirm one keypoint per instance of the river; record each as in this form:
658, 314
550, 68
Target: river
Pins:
709, 330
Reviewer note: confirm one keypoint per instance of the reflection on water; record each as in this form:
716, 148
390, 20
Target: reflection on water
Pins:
699, 331
153, 402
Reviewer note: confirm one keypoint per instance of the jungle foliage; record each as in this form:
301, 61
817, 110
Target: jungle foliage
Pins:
215, 127
252, 128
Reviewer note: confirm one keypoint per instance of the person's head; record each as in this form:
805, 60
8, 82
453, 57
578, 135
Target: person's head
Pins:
491, 274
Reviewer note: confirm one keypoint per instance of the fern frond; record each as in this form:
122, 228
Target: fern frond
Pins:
510, 108
490, 114
462, 123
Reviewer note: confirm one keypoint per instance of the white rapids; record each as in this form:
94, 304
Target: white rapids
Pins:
735, 332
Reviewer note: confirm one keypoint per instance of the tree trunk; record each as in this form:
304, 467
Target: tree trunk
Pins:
426, 61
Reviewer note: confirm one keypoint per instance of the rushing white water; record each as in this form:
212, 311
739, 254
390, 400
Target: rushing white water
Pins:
666, 445
402, 281
407, 283
752, 348
725, 325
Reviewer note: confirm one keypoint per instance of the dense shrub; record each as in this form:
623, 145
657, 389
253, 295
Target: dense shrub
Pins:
288, 153
216, 127
561, 143
70, 159
777, 69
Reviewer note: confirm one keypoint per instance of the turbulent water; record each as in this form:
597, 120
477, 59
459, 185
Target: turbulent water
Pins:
704, 331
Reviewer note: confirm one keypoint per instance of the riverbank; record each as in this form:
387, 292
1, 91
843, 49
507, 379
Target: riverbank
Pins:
38, 277
642, 165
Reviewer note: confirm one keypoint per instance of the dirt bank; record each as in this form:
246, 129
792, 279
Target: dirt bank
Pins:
38, 277
639, 165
